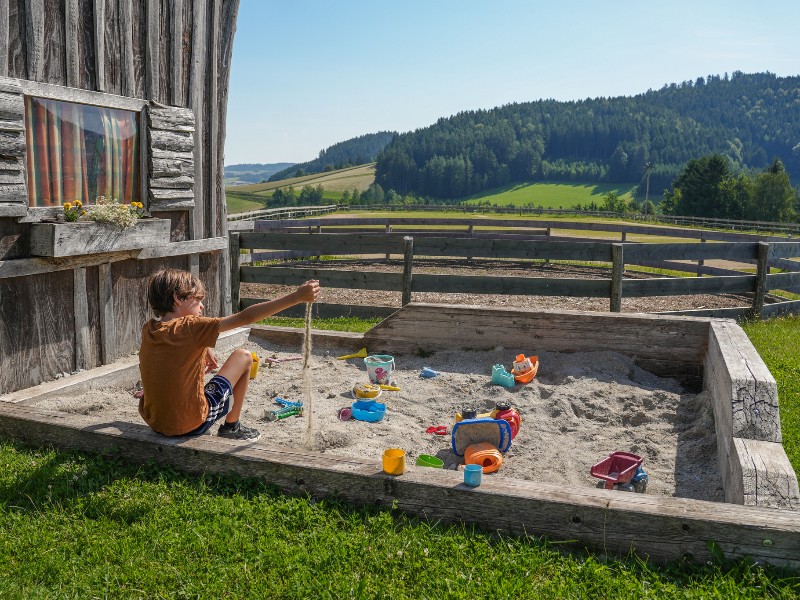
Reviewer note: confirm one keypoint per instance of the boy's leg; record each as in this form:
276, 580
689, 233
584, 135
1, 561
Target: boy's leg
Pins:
237, 370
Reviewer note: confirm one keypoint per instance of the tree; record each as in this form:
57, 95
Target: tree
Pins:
701, 191
773, 196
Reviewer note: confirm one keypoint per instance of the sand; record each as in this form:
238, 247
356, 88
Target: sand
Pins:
578, 409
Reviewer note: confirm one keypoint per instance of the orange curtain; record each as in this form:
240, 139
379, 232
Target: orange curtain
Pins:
79, 152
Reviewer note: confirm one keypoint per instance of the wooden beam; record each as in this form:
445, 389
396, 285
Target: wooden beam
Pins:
215, 188
127, 74
233, 262
34, 22
108, 331
197, 102
677, 286
408, 260
4, 24
356, 280
176, 53
71, 40
80, 311
617, 270
322, 310
762, 270
100, 43
661, 529
152, 45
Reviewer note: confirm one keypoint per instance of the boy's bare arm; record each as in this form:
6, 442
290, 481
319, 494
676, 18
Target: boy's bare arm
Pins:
307, 292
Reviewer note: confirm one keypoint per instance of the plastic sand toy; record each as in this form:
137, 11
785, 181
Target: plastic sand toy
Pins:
502, 377
525, 369
368, 410
485, 455
617, 468
366, 390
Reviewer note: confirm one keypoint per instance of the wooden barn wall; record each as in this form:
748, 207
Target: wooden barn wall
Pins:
175, 52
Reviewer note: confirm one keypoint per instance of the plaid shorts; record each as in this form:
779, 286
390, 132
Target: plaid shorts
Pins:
219, 395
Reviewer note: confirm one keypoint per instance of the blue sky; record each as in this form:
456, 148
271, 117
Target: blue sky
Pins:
307, 74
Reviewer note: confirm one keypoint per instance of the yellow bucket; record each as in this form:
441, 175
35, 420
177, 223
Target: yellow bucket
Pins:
394, 461
254, 366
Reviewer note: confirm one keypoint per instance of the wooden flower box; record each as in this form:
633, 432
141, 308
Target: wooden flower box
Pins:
88, 237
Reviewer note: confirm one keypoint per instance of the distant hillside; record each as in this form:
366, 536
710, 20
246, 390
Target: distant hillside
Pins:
252, 173
356, 151
749, 118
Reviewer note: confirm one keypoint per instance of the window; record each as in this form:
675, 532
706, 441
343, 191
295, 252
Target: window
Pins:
79, 152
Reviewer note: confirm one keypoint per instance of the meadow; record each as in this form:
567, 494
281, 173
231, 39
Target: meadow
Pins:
80, 525
552, 194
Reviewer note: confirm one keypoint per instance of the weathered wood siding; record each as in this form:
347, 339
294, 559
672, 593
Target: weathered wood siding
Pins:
175, 54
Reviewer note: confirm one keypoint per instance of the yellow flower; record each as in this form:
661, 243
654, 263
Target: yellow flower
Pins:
67, 205
78, 203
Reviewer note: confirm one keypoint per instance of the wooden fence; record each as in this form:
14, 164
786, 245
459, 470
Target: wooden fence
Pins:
529, 240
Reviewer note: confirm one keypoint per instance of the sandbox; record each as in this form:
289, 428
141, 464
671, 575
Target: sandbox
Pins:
691, 395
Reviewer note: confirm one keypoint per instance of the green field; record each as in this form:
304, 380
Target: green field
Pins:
551, 194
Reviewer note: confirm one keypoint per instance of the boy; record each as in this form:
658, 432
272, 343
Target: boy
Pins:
177, 351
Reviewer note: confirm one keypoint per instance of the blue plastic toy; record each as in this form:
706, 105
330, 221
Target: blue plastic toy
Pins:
427, 372
368, 410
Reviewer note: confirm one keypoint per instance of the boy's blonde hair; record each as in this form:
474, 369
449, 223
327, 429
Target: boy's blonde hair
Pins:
164, 285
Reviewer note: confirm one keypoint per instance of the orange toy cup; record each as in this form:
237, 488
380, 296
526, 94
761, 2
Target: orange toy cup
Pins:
394, 461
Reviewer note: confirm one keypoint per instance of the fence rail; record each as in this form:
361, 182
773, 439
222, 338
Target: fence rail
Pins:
273, 236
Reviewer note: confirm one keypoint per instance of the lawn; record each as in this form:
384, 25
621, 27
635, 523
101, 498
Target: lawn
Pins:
77, 525
551, 194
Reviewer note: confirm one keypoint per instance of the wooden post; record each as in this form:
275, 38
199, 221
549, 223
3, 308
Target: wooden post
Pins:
233, 253
701, 262
108, 325
388, 231
408, 258
624, 236
319, 230
617, 269
762, 270
80, 311
471, 232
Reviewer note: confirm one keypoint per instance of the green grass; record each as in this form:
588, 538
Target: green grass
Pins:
75, 525
239, 202
777, 341
78, 526
551, 194
333, 324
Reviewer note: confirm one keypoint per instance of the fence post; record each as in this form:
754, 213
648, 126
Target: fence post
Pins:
762, 270
471, 232
233, 254
617, 268
388, 231
701, 262
408, 258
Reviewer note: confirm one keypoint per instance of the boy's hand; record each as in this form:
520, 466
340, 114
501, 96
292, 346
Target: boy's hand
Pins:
211, 360
309, 291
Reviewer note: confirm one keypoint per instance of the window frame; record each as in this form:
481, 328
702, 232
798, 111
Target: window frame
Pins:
51, 91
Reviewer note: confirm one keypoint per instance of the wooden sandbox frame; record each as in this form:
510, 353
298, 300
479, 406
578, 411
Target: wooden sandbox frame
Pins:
760, 518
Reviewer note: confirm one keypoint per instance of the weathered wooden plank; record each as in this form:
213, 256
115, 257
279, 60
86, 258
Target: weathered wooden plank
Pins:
176, 53
660, 528
11, 177
108, 330
179, 182
100, 44
160, 197
762, 270
126, 46
782, 281
34, 23
791, 307
408, 260
80, 313
717, 313
170, 204
12, 107
81, 96
12, 144
10, 86
4, 50
152, 49
745, 390
233, 253
70, 239
617, 271
12, 209
327, 278
324, 243
14, 193
321, 310
534, 286
197, 96
71, 39
766, 476
172, 119
175, 141
786, 265
637, 288
172, 167
12, 125
187, 247
784, 249
690, 251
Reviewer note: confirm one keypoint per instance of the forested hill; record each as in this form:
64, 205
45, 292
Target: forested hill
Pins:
356, 151
750, 118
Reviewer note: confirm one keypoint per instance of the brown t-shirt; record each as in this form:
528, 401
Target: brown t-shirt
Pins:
172, 364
